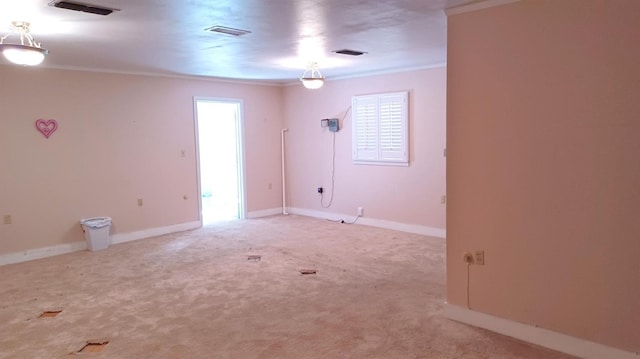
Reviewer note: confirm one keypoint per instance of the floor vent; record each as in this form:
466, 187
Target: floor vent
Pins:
76, 6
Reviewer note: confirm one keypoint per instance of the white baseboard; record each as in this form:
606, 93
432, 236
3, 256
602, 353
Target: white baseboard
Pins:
153, 232
403, 227
39, 253
536, 335
264, 213
44, 252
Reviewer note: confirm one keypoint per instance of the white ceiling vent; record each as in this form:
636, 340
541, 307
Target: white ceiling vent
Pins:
227, 30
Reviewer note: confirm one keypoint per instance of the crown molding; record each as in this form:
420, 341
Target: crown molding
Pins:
476, 6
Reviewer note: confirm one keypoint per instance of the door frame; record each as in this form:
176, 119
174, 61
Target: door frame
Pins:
242, 183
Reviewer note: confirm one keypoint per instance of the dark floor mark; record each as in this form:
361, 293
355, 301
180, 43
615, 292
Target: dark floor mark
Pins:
308, 271
50, 314
94, 346
255, 258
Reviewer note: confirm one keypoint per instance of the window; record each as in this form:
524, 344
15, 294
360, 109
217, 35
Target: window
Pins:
380, 129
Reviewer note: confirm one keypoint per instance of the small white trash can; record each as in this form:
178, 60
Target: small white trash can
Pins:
96, 232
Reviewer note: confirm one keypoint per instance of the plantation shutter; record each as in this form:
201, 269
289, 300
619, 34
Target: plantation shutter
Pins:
392, 127
380, 129
366, 124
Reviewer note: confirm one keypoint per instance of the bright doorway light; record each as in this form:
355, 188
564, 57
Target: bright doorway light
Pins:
220, 160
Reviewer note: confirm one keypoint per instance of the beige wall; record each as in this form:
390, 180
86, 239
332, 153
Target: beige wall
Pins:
409, 195
543, 172
120, 138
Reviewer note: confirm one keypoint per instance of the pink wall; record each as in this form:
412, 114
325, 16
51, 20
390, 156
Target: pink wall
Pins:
409, 195
120, 138
543, 171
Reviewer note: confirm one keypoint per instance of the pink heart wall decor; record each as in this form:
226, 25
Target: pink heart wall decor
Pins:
47, 127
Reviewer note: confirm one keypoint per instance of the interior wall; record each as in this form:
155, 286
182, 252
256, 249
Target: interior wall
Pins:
120, 138
408, 195
543, 168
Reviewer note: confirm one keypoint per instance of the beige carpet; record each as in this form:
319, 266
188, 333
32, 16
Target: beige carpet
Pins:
377, 294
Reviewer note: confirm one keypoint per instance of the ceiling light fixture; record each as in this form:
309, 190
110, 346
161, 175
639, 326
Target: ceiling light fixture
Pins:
312, 78
27, 52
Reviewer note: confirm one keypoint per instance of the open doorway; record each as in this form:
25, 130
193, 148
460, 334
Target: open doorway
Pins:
220, 165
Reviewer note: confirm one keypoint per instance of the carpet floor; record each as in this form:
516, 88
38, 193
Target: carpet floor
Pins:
376, 293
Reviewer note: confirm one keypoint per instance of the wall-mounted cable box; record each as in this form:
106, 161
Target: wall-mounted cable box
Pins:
332, 123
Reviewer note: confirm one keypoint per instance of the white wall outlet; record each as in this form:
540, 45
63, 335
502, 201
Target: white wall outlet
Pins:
360, 210
479, 258
443, 199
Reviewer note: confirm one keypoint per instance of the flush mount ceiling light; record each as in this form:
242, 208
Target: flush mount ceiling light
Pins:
312, 78
27, 52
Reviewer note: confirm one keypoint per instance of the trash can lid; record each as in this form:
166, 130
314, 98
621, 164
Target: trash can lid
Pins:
96, 222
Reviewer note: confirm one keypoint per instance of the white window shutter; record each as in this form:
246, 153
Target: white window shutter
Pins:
380, 129
393, 128
365, 134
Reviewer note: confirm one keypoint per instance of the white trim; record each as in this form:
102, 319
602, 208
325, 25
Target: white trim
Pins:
378, 73
45, 252
536, 335
153, 232
264, 213
266, 82
476, 6
380, 223
39, 253
254, 82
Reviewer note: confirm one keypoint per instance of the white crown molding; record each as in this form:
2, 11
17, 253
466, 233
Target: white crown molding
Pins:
270, 83
377, 73
476, 6
380, 223
536, 335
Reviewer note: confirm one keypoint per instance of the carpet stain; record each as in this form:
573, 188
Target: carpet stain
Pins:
94, 346
50, 314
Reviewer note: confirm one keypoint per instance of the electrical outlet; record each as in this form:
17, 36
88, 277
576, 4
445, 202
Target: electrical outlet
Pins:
139, 202
479, 258
7, 219
360, 209
443, 199
467, 258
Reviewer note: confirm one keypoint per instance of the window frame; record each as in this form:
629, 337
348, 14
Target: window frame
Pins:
368, 129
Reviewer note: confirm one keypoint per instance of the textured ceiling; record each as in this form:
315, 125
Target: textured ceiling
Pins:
169, 37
